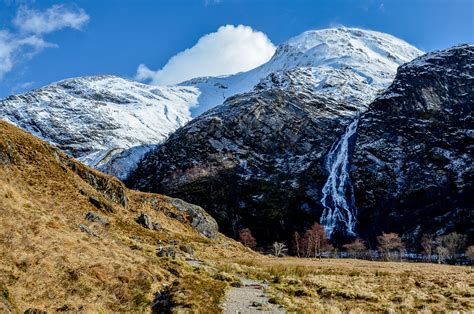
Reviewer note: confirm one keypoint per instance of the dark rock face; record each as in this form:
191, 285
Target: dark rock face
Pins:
256, 161
91, 216
145, 221
413, 161
111, 189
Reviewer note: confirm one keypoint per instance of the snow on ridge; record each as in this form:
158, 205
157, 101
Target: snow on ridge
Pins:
95, 117
364, 61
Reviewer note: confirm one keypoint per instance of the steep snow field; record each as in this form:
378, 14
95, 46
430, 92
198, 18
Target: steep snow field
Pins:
94, 118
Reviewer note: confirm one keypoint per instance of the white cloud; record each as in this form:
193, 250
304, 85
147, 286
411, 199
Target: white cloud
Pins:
14, 49
55, 18
27, 40
230, 50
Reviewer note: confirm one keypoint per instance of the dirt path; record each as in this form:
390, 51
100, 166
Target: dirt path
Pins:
250, 297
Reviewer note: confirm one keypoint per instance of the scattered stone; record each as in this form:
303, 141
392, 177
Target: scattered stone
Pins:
86, 229
187, 248
156, 226
166, 251
4, 159
95, 201
64, 308
257, 304
91, 216
162, 302
136, 247
145, 221
100, 205
173, 242
35, 311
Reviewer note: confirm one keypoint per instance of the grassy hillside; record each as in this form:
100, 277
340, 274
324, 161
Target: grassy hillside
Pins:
53, 258
47, 262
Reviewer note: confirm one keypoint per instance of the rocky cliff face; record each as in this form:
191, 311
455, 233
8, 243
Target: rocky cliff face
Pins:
265, 159
413, 160
256, 161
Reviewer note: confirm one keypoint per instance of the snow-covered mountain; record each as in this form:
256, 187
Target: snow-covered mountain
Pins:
93, 118
98, 119
347, 63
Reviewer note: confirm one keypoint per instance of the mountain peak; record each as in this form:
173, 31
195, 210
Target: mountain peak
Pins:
349, 64
337, 47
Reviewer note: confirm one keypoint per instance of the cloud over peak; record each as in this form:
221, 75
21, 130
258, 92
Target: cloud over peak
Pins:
229, 50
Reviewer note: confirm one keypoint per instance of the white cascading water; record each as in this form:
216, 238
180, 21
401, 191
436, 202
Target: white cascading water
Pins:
338, 195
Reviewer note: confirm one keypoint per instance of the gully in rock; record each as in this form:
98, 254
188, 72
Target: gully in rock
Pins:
338, 195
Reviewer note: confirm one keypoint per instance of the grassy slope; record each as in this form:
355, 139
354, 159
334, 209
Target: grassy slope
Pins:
343, 285
46, 262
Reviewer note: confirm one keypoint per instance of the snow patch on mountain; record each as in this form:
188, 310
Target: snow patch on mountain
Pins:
93, 118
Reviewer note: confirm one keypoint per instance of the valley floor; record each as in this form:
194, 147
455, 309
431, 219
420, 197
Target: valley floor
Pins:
75, 240
341, 285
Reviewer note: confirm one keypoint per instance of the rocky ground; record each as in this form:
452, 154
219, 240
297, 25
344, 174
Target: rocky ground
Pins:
249, 297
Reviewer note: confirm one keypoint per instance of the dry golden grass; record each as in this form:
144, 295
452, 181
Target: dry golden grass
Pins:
347, 285
46, 262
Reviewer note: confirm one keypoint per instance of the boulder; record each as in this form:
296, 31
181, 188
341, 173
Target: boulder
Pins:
91, 216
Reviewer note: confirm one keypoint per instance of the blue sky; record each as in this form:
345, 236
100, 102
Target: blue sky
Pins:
116, 36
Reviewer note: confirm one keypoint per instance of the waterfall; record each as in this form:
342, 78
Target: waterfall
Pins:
338, 194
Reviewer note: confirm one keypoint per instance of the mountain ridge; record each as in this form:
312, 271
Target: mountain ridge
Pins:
259, 160
328, 56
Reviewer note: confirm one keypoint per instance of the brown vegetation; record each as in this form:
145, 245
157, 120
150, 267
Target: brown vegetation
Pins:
390, 245
246, 238
306, 285
47, 261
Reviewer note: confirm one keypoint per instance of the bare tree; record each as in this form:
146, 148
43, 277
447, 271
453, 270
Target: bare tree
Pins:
297, 243
315, 241
246, 238
470, 253
390, 243
356, 248
428, 244
279, 249
454, 243
442, 253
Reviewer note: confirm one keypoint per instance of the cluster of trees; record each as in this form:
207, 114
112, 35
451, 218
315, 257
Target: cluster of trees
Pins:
446, 247
315, 243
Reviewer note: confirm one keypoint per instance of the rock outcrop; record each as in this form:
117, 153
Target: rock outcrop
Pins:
413, 161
